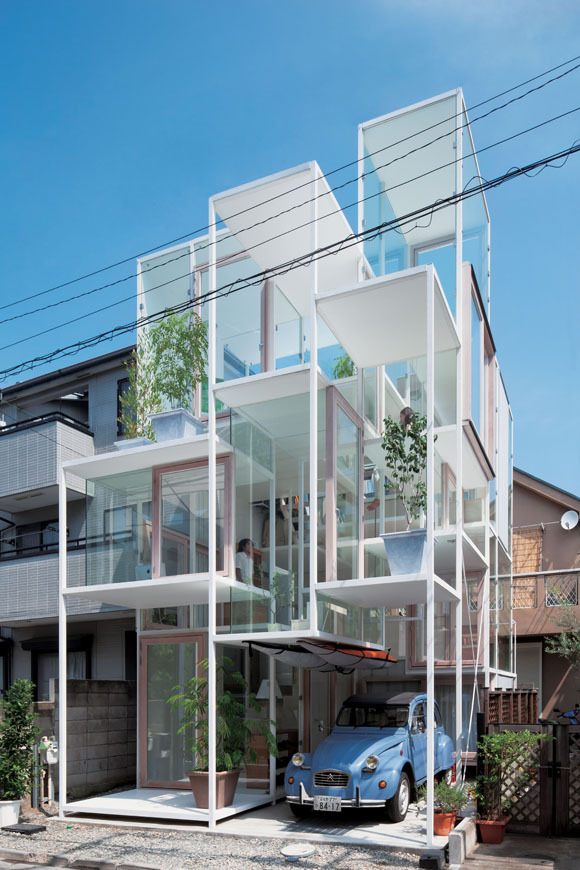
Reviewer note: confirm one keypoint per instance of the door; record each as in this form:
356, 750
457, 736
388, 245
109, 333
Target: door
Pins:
165, 662
319, 720
419, 741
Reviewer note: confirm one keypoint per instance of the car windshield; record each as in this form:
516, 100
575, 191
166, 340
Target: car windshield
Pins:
373, 716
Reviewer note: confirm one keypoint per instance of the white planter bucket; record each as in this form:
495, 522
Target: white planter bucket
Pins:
172, 425
9, 813
406, 551
127, 443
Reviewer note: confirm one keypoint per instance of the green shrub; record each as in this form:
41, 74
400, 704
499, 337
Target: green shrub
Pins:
18, 736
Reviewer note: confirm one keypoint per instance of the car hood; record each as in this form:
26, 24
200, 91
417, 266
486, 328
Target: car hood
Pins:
350, 746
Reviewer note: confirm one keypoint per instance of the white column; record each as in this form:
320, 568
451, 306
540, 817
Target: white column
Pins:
212, 532
459, 446
272, 717
313, 518
62, 642
430, 608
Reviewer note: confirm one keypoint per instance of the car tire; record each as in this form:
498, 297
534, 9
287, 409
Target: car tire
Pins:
300, 811
398, 805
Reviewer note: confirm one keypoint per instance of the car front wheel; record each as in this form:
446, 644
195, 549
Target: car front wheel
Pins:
398, 805
300, 811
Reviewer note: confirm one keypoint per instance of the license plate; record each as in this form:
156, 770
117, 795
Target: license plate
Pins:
327, 804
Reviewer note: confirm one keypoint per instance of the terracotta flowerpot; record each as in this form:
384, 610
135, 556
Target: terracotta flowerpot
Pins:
492, 830
225, 786
443, 823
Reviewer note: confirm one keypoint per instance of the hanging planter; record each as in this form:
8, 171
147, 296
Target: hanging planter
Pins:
406, 551
172, 425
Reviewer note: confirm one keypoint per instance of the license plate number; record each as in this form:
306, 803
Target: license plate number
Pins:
327, 804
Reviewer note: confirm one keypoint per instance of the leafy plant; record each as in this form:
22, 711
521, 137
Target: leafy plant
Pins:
506, 760
18, 735
281, 589
405, 448
567, 643
234, 729
450, 798
164, 369
344, 367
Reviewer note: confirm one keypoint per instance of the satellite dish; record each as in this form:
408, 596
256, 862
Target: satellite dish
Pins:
569, 520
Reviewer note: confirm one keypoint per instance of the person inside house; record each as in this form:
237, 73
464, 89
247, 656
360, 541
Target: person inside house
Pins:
406, 417
245, 561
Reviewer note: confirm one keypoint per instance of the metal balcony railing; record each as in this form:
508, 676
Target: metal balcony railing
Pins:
545, 589
41, 420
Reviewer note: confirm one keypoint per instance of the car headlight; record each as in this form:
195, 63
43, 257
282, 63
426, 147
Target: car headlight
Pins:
372, 762
297, 759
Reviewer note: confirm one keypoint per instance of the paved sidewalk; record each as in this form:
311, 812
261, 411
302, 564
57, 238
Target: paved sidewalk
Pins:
525, 852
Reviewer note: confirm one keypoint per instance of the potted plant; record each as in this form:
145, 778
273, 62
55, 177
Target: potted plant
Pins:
234, 731
165, 368
449, 800
505, 758
405, 447
18, 735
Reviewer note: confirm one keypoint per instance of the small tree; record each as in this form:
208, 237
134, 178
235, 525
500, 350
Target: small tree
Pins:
344, 367
164, 370
567, 643
507, 758
405, 448
18, 735
234, 729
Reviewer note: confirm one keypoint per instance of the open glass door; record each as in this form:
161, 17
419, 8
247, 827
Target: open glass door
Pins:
165, 662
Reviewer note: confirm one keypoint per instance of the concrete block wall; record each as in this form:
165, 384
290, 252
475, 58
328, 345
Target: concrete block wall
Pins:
102, 733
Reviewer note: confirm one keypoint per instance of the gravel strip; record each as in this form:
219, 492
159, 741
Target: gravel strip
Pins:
176, 850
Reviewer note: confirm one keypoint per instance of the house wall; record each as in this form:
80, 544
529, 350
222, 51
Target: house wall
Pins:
101, 730
103, 407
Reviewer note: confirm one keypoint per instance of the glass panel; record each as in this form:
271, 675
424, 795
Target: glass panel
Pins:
394, 181
166, 280
370, 396
184, 521
476, 350
119, 528
165, 618
289, 332
168, 752
443, 257
475, 220
347, 496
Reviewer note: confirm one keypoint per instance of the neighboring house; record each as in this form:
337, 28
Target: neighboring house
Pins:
546, 571
45, 421
290, 459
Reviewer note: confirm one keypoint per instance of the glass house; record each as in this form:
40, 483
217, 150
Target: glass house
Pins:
263, 532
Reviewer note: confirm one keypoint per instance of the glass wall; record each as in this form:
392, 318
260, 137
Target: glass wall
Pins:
166, 280
288, 331
272, 506
476, 365
184, 518
119, 528
404, 155
475, 220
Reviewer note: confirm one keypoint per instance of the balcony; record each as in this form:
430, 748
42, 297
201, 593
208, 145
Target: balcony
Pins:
538, 600
31, 452
29, 586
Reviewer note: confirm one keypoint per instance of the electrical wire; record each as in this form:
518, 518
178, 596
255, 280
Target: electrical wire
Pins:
270, 239
298, 262
358, 160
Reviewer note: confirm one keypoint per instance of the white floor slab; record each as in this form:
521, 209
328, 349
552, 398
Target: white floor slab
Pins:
252, 815
162, 804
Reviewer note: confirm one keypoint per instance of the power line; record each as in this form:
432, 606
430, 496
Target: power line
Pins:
118, 302
358, 160
298, 262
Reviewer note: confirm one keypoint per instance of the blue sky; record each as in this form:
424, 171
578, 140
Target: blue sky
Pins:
120, 118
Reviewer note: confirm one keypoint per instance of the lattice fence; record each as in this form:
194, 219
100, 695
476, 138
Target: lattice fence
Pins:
561, 590
525, 592
574, 783
524, 778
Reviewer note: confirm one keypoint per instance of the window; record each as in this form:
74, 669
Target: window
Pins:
122, 390
418, 724
44, 661
476, 364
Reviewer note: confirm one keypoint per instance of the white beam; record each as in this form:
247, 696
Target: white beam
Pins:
430, 608
313, 407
